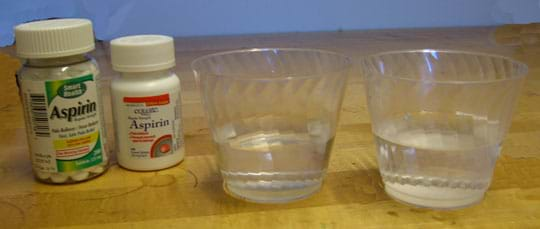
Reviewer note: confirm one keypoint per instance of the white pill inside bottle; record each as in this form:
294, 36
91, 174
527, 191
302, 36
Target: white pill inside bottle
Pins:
42, 175
79, 176
97, 169
59, 177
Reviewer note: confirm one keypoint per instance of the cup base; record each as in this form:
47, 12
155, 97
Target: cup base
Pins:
433, 197
271, 196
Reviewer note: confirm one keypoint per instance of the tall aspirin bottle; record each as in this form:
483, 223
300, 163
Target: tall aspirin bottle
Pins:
59, 88
146, 103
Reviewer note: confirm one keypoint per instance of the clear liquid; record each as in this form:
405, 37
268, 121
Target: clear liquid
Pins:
273, 159
431, 164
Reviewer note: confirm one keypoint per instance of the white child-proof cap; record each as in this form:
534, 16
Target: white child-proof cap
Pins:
54, 38
142, 53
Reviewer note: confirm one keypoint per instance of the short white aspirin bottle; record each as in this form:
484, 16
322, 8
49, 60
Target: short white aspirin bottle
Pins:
146, 103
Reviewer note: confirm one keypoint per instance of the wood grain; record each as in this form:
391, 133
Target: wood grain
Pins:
190, 195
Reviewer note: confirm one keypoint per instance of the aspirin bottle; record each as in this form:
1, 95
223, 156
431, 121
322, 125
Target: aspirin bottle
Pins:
59, 89
146, 103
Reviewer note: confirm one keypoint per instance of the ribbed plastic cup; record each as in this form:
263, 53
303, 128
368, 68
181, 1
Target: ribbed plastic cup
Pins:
439, 118
273, 115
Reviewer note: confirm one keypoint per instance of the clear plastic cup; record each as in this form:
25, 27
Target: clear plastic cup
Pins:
273, 115
439, 118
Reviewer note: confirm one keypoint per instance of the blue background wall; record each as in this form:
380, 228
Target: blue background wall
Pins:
113, 18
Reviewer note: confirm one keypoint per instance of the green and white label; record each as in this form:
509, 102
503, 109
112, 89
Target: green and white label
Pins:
65, 131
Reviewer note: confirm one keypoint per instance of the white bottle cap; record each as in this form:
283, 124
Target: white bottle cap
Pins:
142, 53
54, 38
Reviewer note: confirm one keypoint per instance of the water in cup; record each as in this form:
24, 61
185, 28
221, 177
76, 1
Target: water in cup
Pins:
271, 154
431, 156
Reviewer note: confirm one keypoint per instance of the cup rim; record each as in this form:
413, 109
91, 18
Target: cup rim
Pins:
347, 64
521, 73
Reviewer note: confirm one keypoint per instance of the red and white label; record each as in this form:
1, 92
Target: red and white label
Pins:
152, 126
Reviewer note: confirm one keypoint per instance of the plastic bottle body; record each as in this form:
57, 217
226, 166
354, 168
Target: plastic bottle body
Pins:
147, 117
64, 118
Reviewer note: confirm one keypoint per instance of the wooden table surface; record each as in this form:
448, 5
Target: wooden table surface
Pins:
190, 195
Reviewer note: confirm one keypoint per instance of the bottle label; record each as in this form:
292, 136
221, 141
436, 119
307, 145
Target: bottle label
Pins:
153, 124
63, 123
